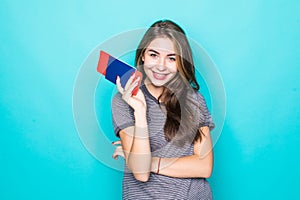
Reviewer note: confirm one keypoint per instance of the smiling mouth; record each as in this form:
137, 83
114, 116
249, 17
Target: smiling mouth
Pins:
159, 76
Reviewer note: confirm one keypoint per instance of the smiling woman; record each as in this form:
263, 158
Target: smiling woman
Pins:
160, 62
165, 128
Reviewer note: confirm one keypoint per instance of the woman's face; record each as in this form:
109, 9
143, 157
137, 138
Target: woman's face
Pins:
160, 63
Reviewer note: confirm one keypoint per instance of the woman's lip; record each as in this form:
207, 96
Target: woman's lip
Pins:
159, 76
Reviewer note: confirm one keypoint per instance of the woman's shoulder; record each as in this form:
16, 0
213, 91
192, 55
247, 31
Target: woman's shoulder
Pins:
196, 96
116, 98
119, 107
118, 102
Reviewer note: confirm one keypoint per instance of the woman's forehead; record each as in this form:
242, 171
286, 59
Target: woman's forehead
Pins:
164, 45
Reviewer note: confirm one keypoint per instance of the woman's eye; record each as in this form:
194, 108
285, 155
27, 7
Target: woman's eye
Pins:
153, 55
173, 59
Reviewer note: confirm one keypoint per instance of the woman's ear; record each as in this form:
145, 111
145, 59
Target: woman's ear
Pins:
143, 58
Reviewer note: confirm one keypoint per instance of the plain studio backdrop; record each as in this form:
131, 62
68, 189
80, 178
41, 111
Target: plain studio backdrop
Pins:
253, 44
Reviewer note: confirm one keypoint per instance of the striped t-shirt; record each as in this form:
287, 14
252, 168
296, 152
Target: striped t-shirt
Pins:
159, 186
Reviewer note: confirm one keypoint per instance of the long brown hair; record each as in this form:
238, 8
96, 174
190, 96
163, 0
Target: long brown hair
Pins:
181, 125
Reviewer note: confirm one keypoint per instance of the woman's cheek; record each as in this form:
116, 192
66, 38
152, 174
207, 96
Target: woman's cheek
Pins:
149, 65
173, 68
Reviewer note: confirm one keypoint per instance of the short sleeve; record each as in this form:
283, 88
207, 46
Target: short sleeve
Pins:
122, 114
205, 118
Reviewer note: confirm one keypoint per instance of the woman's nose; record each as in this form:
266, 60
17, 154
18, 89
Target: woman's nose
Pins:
161, 64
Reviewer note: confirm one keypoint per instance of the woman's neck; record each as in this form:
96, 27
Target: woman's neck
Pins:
154, 90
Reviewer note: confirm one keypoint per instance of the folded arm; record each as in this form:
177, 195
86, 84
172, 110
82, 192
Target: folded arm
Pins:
135, 139
198, 165
136, 148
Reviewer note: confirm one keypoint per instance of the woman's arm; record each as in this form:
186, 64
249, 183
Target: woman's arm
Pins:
136, 147
135, 139
198, 165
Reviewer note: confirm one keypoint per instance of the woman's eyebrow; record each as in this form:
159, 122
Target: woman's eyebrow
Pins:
153, 51
171, 54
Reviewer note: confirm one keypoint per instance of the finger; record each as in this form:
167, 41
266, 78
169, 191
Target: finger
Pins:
118, 152
132, 86
119, 87
122, 155
129, 82
117, 142
128, 91
118, 149
115, 156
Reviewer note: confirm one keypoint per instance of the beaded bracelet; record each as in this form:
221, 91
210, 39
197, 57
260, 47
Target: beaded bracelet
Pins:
158, 165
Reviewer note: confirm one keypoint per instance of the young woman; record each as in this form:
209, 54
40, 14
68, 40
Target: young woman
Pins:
165, 128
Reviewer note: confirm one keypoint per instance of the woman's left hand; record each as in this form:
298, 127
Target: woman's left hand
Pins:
119, 150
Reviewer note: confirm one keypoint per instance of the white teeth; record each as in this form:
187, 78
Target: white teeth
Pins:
159, 75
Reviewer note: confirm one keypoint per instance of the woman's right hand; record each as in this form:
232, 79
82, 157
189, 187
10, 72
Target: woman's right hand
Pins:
137, 102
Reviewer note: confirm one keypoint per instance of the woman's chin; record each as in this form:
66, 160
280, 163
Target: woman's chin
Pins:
158, 84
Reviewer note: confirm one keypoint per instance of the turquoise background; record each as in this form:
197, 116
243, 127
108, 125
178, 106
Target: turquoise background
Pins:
255, 45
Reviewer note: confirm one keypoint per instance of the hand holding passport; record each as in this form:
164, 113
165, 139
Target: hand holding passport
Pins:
111, 67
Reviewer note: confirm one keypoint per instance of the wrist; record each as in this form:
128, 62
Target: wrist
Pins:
154, 164
140, 119
140, 112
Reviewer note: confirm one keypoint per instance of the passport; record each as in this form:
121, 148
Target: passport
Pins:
112, 67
